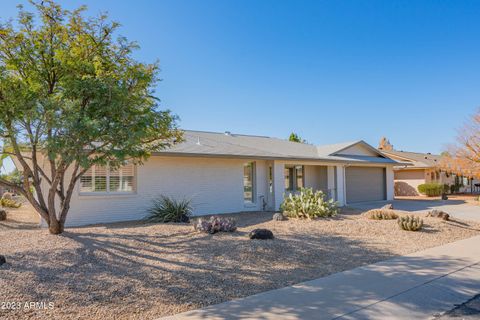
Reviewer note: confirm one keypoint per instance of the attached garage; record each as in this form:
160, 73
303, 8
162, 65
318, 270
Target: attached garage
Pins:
365, 184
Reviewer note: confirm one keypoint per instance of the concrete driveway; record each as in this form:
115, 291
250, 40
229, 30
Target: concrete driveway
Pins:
456, 208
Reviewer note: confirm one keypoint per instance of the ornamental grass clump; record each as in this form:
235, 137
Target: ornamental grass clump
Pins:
215, 224
410, 223
9, 203
381, 214
308, 205
165, 209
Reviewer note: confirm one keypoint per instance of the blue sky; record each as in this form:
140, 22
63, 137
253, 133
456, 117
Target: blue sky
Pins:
331, 71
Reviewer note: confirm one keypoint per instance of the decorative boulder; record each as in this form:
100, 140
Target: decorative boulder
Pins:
438, 214
279, 217
2, 260
388, 206
262, 234
3, 215
184, 218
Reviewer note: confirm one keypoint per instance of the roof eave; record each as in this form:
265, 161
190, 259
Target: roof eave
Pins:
234, 156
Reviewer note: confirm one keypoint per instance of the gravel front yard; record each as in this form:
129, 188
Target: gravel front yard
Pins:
140, 271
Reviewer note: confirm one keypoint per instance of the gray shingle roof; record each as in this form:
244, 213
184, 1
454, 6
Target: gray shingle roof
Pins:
201, 143
418, 160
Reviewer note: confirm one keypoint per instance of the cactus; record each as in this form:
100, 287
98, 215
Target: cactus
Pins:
410, 223
381, 214
308, 204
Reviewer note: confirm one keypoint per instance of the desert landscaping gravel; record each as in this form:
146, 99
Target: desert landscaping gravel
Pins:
145, 271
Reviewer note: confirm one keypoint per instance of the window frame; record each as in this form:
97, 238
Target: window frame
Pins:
292, 174
291, 178
302, 167
253, 182
270, 179
108, 192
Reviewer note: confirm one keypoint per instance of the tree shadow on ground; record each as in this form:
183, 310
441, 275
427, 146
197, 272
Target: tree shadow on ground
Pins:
113, 270
181, 270
20, 218
460, 224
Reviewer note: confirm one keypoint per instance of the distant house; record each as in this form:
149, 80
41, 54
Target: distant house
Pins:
421, 168
226, 173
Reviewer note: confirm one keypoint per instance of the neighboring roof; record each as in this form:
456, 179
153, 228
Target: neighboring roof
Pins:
201, 143
418, 160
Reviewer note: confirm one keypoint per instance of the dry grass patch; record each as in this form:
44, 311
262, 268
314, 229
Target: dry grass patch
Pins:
144, 271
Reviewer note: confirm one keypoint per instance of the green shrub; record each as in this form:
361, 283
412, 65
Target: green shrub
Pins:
446, 188
410, 223
165, 209
381, 214
430, 189
308, 205
8, 203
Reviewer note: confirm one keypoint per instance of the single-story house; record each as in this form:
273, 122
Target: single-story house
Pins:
226, 173
420, 168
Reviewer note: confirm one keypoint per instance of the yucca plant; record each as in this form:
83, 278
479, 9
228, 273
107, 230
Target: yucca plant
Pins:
308, 205
381, 214
410, 223
165, 209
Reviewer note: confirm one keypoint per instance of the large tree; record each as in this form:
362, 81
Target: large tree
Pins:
463, 158
72, 96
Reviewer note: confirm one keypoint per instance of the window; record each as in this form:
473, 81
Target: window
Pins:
102, 179
270, 179
288, 178
248, 182
299, 177
294, 178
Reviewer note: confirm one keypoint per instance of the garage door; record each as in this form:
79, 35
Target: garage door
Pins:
365, 184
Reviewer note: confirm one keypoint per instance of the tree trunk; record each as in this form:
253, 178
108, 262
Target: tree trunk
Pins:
55, 226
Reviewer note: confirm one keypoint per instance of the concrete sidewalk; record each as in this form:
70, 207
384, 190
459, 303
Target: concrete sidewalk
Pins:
415, 286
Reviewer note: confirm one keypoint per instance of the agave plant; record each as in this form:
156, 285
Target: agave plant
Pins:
308, 205
165, 209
